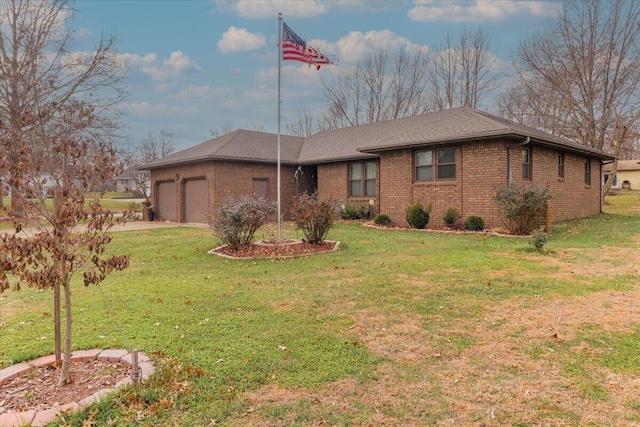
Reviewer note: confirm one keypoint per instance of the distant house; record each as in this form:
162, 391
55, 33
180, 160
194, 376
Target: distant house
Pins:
627, 175
130, 181
447, 159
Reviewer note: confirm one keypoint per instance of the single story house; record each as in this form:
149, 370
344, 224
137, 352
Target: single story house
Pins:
627, 175
446, 159
131, 180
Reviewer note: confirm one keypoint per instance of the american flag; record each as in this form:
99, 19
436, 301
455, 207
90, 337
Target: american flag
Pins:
295, 48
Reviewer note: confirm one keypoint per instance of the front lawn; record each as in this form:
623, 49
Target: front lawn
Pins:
397, 328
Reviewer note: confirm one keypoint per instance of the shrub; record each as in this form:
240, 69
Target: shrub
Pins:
523, 208
417, 216
236, 222
450, 217
382, 219
357, 211
474, 223
539, 239
314, 216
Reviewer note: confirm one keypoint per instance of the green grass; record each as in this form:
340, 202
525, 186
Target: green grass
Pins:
221, 330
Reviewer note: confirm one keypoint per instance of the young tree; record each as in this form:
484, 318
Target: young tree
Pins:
40, 75
588, 65
53, 242
56, 123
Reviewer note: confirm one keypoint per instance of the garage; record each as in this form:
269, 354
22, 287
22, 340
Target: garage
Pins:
196, 200
166, 201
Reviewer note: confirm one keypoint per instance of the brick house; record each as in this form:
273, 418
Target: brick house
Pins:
452, 158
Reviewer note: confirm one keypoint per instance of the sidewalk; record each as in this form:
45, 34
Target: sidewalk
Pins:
149, 225
132, 225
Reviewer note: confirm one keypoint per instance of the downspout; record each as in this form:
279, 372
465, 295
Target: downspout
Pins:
509, 168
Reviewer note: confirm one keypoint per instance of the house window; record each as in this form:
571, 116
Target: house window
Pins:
362, 179
560, 165
442, 161
526, 163
261, 187
587, 172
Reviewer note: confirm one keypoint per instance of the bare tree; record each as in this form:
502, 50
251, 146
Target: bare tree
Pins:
228, 128
380, 87
462, 70
306, 125
588, 61
52, 243
152, 147
40, 76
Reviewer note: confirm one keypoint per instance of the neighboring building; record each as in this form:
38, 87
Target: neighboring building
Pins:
627, 174
453, 158
131, 180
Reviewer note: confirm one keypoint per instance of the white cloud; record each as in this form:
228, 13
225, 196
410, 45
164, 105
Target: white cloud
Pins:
135, 60
178, 63
82, 34
357, 45
261, 9
240, 40
479, 10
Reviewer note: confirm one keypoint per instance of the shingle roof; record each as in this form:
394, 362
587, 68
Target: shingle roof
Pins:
459, 124
456, 125
241, 144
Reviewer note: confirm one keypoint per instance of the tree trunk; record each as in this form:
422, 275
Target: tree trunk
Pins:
66, 361
57, 324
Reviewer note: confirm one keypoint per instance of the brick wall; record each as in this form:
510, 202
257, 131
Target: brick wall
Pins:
480, 167
228, 179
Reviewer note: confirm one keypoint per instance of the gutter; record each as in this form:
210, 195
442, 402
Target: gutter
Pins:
509, 168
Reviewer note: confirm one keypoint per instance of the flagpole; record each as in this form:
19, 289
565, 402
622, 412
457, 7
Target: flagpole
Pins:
278, 168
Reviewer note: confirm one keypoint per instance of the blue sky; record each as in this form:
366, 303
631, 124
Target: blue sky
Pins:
198, 66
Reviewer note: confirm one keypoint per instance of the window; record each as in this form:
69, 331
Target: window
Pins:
560, 165
442, 160
526, 163
261, 187
587, 172
362, 179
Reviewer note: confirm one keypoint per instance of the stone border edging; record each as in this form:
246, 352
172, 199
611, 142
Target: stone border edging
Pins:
43, 417
336, 245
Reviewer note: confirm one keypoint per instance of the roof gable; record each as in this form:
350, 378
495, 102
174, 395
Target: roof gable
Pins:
239, 145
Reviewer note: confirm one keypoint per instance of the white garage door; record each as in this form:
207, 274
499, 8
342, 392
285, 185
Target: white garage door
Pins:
166, 201
196, 201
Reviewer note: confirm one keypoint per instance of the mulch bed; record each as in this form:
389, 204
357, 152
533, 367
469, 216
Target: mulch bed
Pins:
38, 389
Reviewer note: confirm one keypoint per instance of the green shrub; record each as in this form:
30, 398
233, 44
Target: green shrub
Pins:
523, 208
382, 219
538, 239
236, 222
314, 216
417, 216
450, 217
474, 223
357, 211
